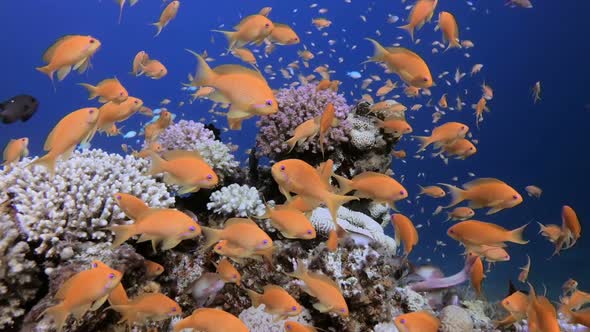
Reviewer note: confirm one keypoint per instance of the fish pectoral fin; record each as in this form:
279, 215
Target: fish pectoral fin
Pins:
63, 72
98, 303
285, 193
279, 318
145, 237
187, 189
322, 307
80, 311
494, 210
102, 100
170, 243
80, 63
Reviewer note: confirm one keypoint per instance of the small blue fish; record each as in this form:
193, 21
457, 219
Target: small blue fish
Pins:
192, 88
157, 111
354, 74
84, 146
130, 134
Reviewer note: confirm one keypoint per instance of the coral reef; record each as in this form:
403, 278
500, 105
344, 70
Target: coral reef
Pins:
241, 201
455, 319
257, 320
296, 105
55, 216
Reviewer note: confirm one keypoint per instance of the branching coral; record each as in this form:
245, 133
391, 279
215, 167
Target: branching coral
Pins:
296, 105
55, 215
257, 320
191, 135
18, 275
236, 200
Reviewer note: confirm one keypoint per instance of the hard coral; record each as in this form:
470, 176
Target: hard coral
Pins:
236, 200
296, 105
55, 216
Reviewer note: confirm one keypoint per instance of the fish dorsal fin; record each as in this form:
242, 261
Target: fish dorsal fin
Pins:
273, 288
235, 221
324, 278
50, 52
236, 69
481, 181
367, 175
244, 20
177, 154
109, 80
280, 25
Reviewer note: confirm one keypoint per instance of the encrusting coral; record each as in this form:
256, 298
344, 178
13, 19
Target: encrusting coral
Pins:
56, 215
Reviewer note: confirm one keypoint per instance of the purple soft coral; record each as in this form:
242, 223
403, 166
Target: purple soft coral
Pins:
185, 135
297, 105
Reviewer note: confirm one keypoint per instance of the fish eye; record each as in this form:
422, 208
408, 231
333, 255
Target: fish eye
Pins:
91, 111
121, 93
235, 276
288, 327
265, 241
451, 231
402, 192
136, 102
269, 102
425, 79
94, 265
507, 302
309, 231
173, 309
515, 197
403, 320
282, 167
219, 247
343, 310
294, 308
192, 228
23, 139
408, 129
506, 257
119, 197
111, 275
209, 177
471, 148
33, 100
267, 24
91, 41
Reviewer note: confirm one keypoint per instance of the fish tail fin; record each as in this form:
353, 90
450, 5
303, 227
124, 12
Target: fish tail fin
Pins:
48, 161
541, 227
409, 29
301, 270
121, 11
516, 235
47, 71
158, 26
254, 297
344, 184
421, 190
322, 144
457, 194
158, 164
204, 72
91, 90
378, 51
212, 235
449, 216
425, 141
267, 256
231, 37
59, 313
122, 233
333, 202
291, 142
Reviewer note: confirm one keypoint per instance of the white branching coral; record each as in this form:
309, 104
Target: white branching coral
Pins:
219, 156
240, 201
257, 320
55, 214
360, 226
17, 274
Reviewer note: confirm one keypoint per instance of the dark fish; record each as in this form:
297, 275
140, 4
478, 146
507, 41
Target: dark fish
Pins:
21, 107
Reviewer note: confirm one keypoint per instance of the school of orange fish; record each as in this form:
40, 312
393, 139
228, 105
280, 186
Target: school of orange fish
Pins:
246, 93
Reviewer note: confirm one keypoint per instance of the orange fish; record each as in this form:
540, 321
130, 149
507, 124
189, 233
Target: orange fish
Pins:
404, 232
327, 120
118, 295
209, 319
387, 106
479, 108
410, 67
283, 34
419, 321
477, 275
332, 242
533, 191
236, 253
376, 186
302, 132
70, 51
132, 206
252, 29
178, 227
107, 90
245, 55
167, 15
153, 69
276, 302
473, 232
412, 91
460, 149
239, 232
152, 147
75, 128
541, 314
552, 232
140, 58
488, 92
324, 289
292, 223
153, 307
460, 213
228, 272
14, 151
321, 23
575, 301
450, 29
524, 274
569, 286
581, 317
153, 130
323, 85
291, 326
490, 253
432, 191
421, 13
485, 192
246, 90
184, 168
516, 304
84, 291
112, 112
401, 154
153, 269
446, 133
297, 176
570, 225
387, 88
396, 127
442, 102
